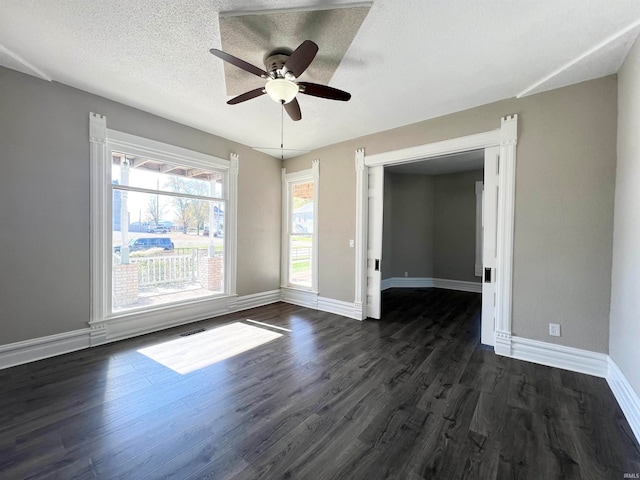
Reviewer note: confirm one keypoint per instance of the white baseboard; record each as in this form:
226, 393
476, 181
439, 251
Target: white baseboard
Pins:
174, 316
502, 343
583, 361
460, 285
305, 298
430, 282
626, 396
339, 307
126, 327
358, 311
44, 347
255, 300
154, 320
302, 298
410, 282
552, 355
559, 356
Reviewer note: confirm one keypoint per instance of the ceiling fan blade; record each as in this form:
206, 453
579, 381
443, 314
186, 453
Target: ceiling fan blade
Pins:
293, 109
323, 91
246, 96
301, 58
247, 67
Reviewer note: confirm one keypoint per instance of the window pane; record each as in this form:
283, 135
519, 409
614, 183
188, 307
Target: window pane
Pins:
302, 208
165, 249
300, 261
155, 175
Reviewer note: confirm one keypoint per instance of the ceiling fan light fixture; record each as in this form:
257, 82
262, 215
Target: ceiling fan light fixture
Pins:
283, 71
281, 90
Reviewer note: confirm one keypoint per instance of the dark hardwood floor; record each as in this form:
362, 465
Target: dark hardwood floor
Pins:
412, 396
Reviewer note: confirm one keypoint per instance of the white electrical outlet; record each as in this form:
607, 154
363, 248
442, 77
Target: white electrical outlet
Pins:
406, 274
351, 243
554, 329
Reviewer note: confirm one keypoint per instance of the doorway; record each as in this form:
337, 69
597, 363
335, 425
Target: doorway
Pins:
500, 144
432, 224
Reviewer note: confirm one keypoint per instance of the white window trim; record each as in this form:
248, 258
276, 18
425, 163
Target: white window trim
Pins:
288, 179
102, 141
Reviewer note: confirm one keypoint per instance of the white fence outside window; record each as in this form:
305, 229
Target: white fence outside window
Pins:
166, 269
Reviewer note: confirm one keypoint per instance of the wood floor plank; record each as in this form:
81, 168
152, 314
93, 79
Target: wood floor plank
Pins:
412, 396
329, 457
443, 435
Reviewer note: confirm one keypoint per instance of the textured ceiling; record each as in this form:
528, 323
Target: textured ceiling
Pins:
410, 60
253, 37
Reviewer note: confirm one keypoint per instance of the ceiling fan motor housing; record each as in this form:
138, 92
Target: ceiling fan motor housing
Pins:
281, 87
275, 62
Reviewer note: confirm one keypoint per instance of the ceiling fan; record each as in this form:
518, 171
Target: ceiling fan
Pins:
282, 70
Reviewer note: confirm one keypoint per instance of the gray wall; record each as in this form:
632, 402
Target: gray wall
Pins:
44, 202
454, 235
563, 220
563, 213
408, 226
429, 225
387, 227
335, 226
625, 278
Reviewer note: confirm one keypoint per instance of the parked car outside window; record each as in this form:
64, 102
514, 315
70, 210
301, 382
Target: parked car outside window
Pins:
146, 243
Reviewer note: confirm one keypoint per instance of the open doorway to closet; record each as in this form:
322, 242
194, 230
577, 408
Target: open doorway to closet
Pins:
499, 148
432, 223
433, 227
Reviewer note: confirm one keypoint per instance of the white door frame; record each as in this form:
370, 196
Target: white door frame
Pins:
490, 212
506, 138
375, 197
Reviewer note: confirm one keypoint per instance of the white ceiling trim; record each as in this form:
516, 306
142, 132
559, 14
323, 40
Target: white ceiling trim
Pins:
579, 58
31, 69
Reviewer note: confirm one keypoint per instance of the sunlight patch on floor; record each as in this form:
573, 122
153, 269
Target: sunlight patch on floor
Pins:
268, 325
187, 354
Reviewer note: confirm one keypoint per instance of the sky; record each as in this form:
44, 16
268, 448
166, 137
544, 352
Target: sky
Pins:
137, 202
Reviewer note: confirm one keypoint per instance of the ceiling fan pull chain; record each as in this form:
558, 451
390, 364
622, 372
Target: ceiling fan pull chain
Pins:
282, 131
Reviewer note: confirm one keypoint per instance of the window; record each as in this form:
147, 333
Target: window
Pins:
163, 225
300, 220
167, 231
301, 234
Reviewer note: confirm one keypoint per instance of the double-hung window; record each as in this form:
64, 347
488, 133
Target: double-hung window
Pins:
163, 225
300, 224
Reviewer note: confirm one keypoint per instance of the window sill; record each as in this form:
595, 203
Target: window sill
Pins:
165, 306
142, 321
299, 288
